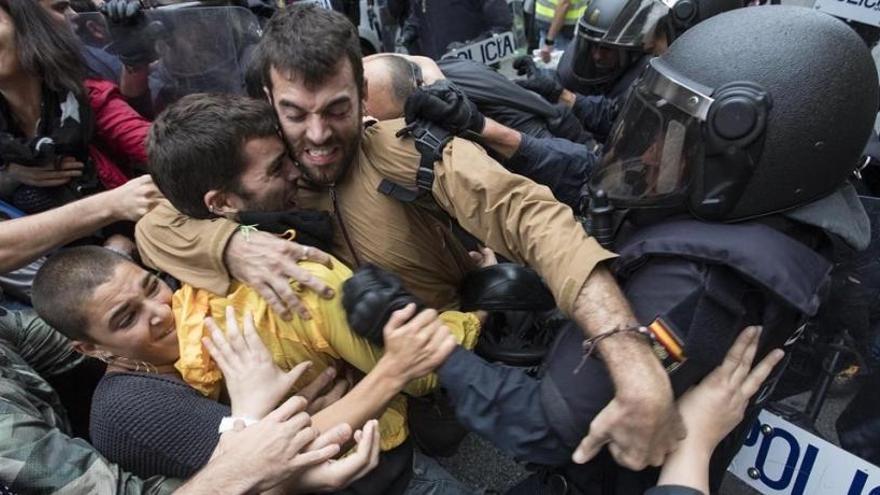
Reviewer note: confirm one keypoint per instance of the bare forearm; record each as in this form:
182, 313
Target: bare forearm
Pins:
25, 239
221, 475
558, 19
687, 466
601, 307
367, 400
500, 138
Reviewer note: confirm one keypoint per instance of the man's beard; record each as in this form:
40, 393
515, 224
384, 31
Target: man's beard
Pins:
327, 176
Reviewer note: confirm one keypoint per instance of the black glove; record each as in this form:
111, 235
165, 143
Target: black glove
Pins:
525, 65
546, 86
369, 297
443, 104
134, 38
567, 126
313, 228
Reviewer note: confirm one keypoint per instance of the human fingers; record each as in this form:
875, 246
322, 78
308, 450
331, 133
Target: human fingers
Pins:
401, 316
748, 357
69, 163
371, 437
252, 340
233, 334
339, 389
597, 437
311, 391
294, 374
287, 409
217, 355
425, 318
760, 372
336, 435
278, 305
221, 345
314, 254
305, 278
736, 352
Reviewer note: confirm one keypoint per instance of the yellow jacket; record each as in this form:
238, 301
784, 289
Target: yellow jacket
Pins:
325, 340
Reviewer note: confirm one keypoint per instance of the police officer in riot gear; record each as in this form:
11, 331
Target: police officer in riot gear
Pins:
616, 39
726, 191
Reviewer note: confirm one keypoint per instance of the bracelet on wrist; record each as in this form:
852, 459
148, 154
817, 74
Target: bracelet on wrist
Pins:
664, 341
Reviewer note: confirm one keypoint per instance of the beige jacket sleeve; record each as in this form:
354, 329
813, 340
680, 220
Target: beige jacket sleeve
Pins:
508, 212
190, 250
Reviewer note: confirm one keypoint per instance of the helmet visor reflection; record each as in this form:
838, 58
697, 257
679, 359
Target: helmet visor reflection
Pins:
651, 149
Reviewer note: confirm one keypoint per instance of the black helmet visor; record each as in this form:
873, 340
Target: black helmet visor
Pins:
654, 144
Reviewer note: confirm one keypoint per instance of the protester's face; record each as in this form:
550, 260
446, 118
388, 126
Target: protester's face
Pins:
130, 316
9, 63
60, 10
322, 124
269, 182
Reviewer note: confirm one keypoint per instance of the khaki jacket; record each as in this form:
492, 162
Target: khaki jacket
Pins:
507, 212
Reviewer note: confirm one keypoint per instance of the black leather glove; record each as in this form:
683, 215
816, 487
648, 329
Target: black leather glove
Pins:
443, 104
546, 86
525, 65
134, 37
567, 126
369, 297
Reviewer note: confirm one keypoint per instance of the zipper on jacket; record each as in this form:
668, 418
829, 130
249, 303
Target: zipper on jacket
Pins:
338, 215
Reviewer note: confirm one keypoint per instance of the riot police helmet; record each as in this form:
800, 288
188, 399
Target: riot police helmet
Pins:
741, 118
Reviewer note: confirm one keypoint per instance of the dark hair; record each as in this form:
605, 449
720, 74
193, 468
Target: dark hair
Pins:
65, 284
310, 42
45, 49
196, 145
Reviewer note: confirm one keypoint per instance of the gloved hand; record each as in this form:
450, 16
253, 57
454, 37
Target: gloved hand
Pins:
134, 38
443, 104
370, 296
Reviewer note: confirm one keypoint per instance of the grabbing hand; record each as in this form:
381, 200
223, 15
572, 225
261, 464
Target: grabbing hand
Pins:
280, 447
46, 175
267, 263
134, 38
444, 104
717, 404
641, 425
254, 382
546, 53
134, 199
485, 257
335, 474
416, 345
546, 86
325, 390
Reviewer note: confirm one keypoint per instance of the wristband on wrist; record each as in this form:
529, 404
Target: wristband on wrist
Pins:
549, 41
664, 341
228, 423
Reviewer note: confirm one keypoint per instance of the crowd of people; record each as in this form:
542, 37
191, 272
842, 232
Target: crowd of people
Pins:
238, 256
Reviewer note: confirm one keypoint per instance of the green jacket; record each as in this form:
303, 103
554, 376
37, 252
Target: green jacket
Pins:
37, 454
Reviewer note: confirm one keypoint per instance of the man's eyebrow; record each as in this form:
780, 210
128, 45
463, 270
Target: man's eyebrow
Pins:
285, 103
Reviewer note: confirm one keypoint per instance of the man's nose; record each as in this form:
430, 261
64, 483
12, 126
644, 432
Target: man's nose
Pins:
317, 131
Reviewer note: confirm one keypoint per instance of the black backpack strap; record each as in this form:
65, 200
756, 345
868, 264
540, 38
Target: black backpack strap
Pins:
430, 140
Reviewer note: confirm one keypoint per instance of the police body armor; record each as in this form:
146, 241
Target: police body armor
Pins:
750, 274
